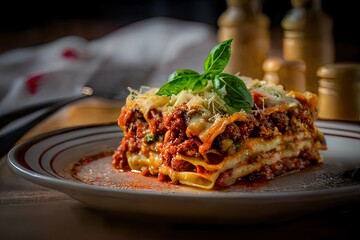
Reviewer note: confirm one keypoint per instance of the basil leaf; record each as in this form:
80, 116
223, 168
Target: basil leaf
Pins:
199, 84
234, 92
218, 58
182, 73
239, 104
181, 80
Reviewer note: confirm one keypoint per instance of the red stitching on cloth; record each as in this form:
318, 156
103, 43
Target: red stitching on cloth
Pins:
70, 54
32, 82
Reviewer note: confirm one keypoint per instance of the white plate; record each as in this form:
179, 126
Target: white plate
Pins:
48, 159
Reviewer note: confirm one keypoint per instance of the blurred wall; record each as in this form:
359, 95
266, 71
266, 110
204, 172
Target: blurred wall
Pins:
32, 23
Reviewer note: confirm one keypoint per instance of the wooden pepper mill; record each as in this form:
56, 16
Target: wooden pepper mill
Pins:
249, 27
308, 37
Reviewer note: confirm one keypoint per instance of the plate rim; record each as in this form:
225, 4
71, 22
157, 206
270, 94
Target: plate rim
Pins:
63, 185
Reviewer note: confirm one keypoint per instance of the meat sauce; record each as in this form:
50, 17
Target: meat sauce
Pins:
169, 133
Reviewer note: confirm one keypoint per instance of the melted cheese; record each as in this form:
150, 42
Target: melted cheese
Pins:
147, 101
207, 131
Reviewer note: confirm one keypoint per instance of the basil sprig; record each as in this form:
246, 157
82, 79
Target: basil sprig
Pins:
228, 87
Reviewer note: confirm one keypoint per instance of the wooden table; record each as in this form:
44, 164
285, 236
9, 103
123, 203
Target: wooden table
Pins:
29, 211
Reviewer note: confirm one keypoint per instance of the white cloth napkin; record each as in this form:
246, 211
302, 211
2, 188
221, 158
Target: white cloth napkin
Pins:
141, 53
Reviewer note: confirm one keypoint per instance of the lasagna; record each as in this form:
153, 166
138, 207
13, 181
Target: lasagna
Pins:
197, 137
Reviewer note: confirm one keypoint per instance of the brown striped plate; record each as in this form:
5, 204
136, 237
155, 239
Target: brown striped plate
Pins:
52, 160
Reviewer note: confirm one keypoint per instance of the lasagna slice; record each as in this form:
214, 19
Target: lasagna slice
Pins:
187, 138
213, 128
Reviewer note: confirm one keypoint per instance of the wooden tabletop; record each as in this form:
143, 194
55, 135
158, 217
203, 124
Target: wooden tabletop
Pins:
30, 211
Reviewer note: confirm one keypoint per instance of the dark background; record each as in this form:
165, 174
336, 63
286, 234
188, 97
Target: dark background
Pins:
31, 23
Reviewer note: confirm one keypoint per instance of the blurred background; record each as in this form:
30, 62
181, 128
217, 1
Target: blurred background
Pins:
317, 33
31, 23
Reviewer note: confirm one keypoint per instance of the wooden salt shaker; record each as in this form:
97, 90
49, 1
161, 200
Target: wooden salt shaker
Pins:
339, 91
